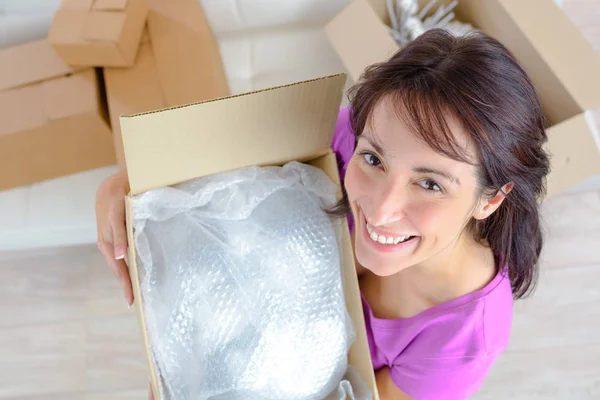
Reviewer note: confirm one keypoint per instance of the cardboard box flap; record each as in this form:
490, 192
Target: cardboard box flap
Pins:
574, 146
29, 63
558, 41
357, 47
110, 5
266, 127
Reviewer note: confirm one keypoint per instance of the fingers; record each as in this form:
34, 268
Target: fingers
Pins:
150, 394
119, 251
125, 280
119, 232
119, 268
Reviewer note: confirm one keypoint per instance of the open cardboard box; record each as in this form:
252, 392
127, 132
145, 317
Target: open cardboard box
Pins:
563, 66
98, 32
53, 118
268, 127
178, 63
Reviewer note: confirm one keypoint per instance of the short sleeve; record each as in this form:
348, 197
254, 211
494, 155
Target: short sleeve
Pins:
451, 378
343, 145
343, 140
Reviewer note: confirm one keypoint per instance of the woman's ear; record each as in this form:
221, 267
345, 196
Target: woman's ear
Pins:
488, 205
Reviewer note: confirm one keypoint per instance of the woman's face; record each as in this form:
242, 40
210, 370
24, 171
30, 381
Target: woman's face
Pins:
409, 202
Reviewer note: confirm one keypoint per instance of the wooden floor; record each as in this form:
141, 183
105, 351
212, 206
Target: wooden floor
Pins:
67, 334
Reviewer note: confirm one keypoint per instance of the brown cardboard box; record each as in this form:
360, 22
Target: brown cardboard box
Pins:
562, 64
29, 63
178, 63
98, 32
271, 127
53, 128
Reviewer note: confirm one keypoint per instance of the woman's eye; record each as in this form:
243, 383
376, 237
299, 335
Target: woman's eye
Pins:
428, 184
371, 159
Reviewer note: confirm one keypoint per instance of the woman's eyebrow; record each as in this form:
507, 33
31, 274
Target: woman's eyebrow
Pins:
373, 141
426, 170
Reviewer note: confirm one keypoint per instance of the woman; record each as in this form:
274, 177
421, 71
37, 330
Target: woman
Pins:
441, 154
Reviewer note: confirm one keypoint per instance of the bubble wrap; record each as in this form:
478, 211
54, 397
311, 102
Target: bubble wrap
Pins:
241, 281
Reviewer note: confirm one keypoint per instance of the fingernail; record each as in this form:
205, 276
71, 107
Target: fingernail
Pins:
120, 252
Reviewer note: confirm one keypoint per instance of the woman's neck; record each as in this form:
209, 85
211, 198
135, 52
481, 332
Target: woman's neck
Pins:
461, 268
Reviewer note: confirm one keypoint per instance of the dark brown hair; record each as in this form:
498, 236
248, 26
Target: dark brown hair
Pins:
478, 81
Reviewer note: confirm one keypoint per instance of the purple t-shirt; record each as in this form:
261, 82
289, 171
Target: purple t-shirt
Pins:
444, 352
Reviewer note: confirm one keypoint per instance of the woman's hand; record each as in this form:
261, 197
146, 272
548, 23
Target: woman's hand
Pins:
150, 395
112, 234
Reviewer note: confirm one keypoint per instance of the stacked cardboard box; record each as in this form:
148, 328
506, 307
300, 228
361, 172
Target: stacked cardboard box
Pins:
54, 117
178, 63
57, 105
562, 64
98, 32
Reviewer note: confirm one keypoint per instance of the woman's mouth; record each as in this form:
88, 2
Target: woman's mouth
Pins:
385, 242
382, 239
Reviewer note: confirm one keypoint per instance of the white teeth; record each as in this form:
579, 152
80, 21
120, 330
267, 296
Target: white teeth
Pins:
383, 239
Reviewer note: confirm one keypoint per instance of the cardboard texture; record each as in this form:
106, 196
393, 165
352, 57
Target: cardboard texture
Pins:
562, 65
268, 127
30, 63
53, 128
178, 63
98, 32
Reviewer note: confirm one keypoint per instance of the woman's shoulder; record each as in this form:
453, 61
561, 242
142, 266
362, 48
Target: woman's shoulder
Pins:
497, 314
472, 325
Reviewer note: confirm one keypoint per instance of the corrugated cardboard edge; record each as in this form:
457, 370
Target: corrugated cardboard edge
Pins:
574, 147
137, 295
230, 97
360, 354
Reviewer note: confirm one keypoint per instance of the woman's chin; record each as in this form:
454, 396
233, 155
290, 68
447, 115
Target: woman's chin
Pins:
380, 266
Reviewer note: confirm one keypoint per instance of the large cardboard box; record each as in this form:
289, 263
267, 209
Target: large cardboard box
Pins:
562, 64
268, 127
178, 63
98, 32
53, 120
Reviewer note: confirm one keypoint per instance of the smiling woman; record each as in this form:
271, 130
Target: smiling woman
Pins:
442, 183
441, 151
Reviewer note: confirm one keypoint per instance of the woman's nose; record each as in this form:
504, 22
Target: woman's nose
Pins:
387, 205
